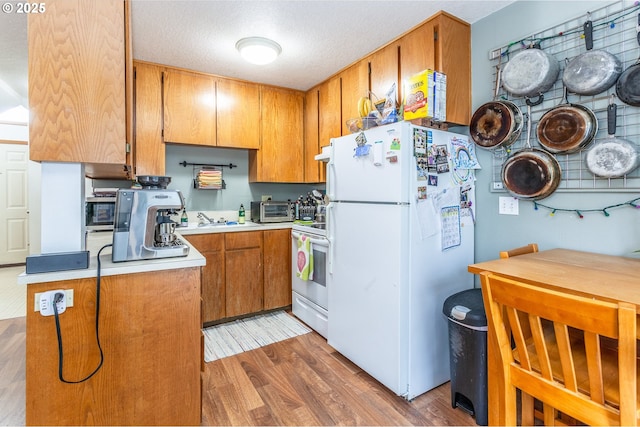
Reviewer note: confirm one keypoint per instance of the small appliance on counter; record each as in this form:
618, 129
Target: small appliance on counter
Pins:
100, 213
271, 211
143, 228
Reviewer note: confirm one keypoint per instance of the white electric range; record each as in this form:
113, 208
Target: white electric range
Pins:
310, 297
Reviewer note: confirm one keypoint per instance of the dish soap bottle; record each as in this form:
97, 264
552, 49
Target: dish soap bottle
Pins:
184, 219
241, 215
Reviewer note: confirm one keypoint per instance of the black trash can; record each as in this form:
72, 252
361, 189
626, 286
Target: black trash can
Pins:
468, 352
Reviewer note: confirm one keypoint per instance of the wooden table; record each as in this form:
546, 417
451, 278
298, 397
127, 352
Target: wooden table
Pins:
603, 277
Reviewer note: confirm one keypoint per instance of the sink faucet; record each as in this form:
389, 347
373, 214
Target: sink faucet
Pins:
202, 216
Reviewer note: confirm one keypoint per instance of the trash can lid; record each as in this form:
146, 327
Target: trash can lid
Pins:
466, 307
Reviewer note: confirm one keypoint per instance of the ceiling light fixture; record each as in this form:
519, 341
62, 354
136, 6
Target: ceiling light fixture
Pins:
258, 50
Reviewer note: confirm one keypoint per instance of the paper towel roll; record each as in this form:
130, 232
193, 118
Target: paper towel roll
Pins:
378, 153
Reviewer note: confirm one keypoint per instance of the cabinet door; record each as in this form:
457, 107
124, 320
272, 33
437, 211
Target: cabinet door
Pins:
384, 71
277, 268
329, 100
78, 111
149, 146
244, 287
238, 114
280, 157
313, 172
355, 84
442, 43
189, 108
211, 246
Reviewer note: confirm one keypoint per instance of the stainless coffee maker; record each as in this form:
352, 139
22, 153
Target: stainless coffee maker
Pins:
143, 228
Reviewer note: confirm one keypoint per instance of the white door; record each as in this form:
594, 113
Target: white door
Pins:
14, 229
368, 295
376, 172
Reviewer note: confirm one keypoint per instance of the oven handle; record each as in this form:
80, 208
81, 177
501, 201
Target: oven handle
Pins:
319, 242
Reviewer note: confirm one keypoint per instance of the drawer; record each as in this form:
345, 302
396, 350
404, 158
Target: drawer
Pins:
211, 242
243, 239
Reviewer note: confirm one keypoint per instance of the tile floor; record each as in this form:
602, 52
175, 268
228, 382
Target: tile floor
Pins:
12, 296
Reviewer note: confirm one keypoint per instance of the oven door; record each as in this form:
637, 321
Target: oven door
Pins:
309, 297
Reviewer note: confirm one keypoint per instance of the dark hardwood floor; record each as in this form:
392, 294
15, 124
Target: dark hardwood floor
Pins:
300, 381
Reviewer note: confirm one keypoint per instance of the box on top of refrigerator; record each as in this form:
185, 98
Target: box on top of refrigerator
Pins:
426, 96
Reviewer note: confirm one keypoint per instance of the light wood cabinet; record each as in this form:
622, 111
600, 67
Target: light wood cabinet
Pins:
442, 43
313, 172
244, 275
149, 146
280, 156
330, 118
211, 246
246, 272
77, 68
384, 71
277, 268
238, 114
189, 108
150, 333
355, 84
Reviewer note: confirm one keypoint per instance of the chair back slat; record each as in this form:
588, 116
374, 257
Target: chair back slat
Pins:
531, 247
558, 356
566, 356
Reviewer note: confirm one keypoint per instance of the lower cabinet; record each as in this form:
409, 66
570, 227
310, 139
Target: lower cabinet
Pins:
150, 335
246, 272
244, 276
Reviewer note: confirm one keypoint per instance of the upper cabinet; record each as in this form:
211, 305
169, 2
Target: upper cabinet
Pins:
280, 156
442, 43
189, 107
354, 82
77, 96
384, 71
330, 110
147, 97
238, 114
312, 171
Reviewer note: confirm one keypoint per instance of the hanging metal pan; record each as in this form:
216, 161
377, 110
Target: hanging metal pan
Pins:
497, 123
529, 74
593, 71
628, 84
567, 128
612, 157
531, 173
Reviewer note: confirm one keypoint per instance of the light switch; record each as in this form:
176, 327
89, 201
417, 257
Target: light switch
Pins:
508, 206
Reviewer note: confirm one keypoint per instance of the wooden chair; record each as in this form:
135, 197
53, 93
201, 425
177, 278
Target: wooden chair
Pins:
565, 366
531, 247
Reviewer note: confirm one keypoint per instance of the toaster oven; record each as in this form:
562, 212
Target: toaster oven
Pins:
100, 213
270, 211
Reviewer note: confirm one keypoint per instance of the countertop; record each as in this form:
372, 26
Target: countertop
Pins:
97, 240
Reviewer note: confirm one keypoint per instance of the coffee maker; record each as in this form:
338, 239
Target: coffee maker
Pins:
143, 228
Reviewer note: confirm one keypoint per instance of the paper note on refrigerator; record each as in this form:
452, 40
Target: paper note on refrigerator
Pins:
450, 219
427, 218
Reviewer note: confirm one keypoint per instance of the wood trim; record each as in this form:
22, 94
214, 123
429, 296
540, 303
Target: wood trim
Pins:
8, 141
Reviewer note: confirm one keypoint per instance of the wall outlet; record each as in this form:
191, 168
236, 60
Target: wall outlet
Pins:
44, 300
508, 206
495, 54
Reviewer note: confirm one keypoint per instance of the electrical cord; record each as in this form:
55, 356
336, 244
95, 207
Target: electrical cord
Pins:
57, 298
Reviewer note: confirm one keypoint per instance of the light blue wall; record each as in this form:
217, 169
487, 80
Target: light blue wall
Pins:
238, 189
618, 234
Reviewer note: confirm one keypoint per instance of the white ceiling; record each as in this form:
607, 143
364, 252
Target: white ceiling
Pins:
318, 37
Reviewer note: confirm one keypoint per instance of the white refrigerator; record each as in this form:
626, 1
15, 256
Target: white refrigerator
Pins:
400, 226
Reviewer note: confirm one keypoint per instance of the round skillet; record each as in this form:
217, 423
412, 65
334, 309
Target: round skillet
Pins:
612, 157
531, 173
567, 128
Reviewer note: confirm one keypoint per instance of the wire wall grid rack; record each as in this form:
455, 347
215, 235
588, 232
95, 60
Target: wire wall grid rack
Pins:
208, 176
614, 30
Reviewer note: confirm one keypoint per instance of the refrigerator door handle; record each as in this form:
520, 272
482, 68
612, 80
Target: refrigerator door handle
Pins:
331, 172
330, 236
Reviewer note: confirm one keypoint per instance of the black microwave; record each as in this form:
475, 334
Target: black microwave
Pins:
100, 213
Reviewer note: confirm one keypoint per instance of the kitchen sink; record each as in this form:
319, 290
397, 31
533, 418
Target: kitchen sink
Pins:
196, 225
